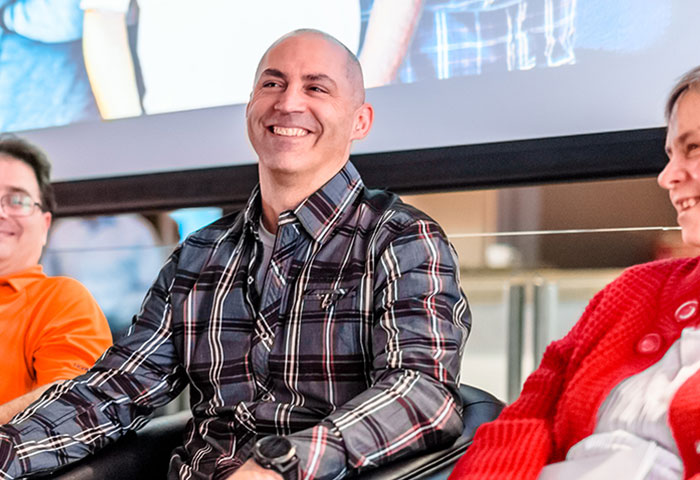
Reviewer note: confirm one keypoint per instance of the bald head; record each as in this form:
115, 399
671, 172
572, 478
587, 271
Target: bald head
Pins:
353, 67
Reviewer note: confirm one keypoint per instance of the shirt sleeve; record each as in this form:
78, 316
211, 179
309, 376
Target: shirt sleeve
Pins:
48, 21
421, 323
70, 336
78, 417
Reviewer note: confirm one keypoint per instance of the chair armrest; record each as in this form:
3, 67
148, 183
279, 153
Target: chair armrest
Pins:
145, 454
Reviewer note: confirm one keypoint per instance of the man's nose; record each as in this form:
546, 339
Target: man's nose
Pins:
290, 100
672, 174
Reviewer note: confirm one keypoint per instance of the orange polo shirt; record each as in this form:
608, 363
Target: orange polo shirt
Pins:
51, 329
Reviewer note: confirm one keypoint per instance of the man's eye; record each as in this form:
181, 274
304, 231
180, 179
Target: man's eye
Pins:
270, 84
19, 200
317, 89
692, 146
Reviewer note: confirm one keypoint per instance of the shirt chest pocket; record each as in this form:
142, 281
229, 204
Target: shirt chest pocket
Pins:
326, 298
330, 316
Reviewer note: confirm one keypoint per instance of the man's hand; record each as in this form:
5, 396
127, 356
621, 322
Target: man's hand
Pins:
252, 471
13, 407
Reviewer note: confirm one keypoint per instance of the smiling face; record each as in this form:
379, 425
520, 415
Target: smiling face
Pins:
681, 176
21, 238
305, 110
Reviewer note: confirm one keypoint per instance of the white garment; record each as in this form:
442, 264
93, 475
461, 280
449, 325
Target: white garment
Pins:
634, 416
203, 53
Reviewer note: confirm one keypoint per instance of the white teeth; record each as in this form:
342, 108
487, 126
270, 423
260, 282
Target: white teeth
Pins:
688, 203
289, 131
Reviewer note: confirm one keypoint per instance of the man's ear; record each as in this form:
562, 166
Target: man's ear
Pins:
46, 217
364, 116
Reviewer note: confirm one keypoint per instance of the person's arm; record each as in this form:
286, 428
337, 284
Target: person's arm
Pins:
47, 21
13, 407
77, 417
519, 443
67, 334
109, 64
389, 34
421, 321
62, 342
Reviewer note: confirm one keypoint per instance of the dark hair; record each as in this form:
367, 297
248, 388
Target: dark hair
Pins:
22, 150
691, 79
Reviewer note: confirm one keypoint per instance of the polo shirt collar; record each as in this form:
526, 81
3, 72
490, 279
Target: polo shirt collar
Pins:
20, 280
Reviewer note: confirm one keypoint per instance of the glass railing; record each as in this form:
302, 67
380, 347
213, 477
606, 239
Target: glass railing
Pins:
517, 311
530, 258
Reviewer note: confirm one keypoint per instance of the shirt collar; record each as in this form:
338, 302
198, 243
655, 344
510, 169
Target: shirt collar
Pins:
321, 212
20, 280
252, 211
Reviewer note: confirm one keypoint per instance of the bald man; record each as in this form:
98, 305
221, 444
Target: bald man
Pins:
320, 329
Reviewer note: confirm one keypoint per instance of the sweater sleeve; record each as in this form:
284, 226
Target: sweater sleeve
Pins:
519, 443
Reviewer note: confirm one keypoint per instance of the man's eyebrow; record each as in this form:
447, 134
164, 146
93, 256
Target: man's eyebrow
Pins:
319, 77
683, 138
273, 72
13, 189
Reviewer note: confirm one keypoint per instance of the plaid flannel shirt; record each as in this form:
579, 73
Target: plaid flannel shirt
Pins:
352, 350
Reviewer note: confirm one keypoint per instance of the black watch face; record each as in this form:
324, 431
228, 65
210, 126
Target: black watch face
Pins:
274, 447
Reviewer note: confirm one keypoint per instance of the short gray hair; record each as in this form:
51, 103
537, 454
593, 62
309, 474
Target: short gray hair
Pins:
690, 80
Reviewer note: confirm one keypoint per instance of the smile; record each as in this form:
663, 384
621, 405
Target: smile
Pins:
288, 131
687, 203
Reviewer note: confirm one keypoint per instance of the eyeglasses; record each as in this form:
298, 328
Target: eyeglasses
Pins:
18, 204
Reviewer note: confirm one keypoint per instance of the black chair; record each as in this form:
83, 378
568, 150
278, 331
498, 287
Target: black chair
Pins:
145, 454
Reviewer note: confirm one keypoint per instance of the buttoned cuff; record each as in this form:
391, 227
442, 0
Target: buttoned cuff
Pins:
321, 452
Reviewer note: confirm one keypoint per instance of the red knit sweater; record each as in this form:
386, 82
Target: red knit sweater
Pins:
627, 327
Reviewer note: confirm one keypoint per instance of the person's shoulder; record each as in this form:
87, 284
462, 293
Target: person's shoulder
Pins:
658, 278
64, 286
388, 205
662, 269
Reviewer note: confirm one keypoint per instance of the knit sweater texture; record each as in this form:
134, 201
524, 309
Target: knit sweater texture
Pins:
627, 327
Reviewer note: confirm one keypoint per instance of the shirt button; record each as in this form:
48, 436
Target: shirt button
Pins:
697, 447
687, 311
649, 343
250, 280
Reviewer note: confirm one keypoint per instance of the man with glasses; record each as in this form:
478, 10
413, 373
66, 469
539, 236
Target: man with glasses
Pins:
51, 328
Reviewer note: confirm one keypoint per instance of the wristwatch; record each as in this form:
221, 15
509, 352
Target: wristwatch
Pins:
277, 453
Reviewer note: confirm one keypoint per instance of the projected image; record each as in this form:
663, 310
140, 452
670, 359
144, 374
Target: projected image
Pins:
471, 37
65, 61
42, 76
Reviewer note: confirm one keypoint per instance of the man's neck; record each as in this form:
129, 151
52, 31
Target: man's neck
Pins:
281, 193
7, 270
273, 204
